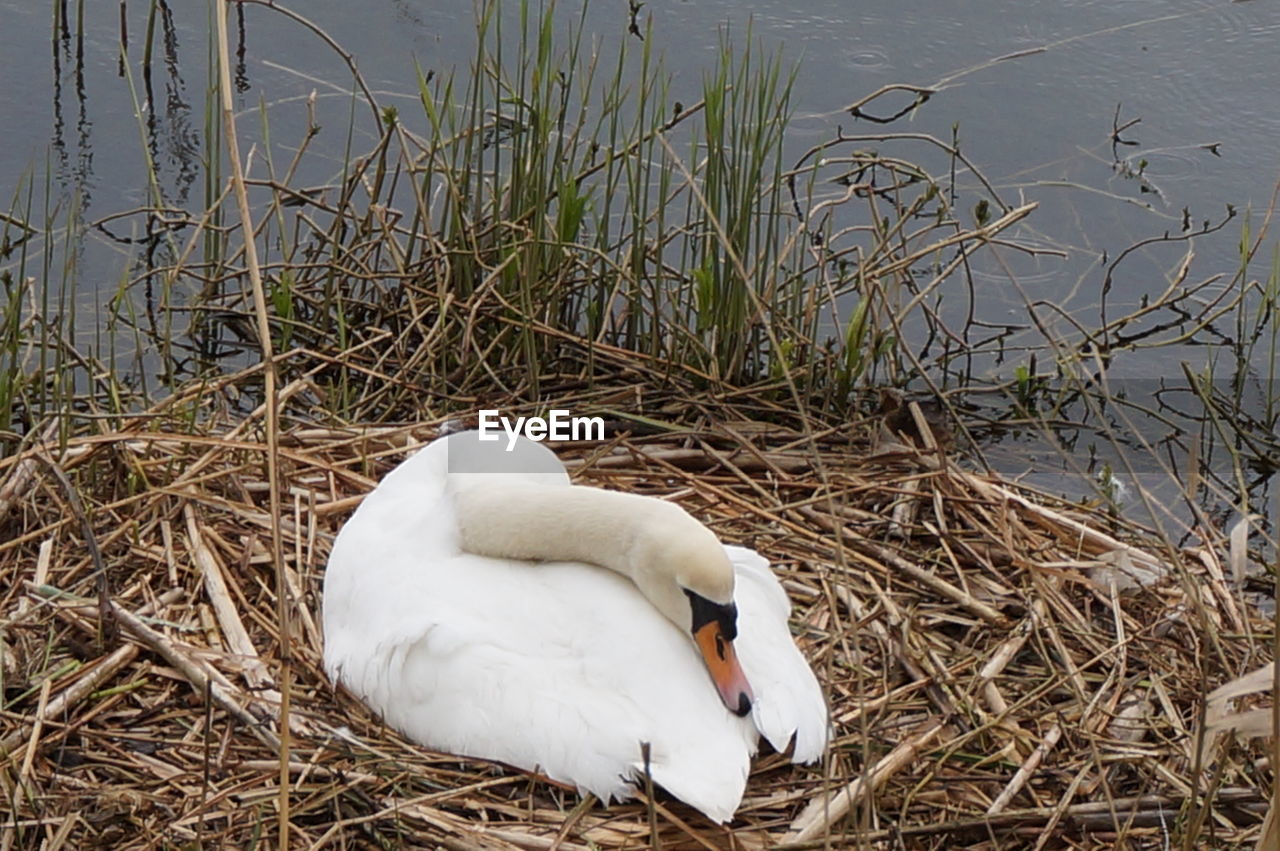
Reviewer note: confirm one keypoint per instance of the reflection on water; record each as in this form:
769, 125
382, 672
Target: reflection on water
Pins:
1135, 445
173, 139
74, 165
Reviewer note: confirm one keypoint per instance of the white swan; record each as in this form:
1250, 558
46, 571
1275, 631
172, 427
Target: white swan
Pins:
465, 601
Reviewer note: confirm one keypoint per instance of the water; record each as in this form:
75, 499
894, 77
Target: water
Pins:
1194, 73
1034, 89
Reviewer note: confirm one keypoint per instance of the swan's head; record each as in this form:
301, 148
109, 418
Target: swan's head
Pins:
685, 572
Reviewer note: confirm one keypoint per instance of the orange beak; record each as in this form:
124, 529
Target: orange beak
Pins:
722, 662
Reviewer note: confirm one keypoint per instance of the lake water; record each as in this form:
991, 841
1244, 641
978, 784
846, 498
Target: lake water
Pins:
1034, 89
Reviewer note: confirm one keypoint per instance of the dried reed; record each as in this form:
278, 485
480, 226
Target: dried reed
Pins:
992, 680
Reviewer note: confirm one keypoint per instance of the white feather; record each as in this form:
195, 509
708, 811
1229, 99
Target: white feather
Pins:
560, 667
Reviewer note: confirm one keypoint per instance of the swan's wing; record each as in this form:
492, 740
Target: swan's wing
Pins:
555, 668
788, 699
566, 669
405, 523
384, 564
367, 612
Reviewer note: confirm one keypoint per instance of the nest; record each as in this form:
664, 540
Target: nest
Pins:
1002, 670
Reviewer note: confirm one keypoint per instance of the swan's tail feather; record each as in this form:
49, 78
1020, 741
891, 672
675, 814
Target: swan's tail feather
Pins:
789, 704
710, 792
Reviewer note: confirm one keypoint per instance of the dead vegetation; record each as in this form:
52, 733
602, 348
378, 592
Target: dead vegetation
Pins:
1003, 671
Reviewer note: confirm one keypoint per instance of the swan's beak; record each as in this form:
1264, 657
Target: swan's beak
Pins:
722, 662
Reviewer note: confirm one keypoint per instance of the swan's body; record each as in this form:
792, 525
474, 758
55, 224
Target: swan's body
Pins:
554, 664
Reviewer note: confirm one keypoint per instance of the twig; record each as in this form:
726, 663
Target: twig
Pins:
270, 401
822, 812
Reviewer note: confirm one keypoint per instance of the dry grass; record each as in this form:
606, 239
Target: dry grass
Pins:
987, 686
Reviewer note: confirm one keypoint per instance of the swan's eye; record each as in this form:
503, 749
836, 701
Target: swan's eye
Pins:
704, 612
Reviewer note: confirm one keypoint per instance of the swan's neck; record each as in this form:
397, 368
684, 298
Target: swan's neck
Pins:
521, 520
